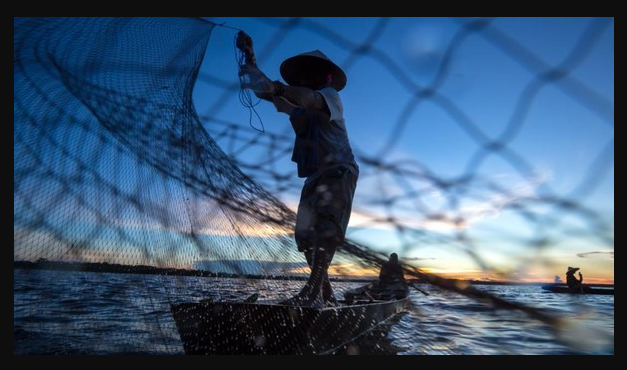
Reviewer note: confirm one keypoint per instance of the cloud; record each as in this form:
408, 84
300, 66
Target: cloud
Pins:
592, 253
419, 259
435, 214
350, 269
206, 217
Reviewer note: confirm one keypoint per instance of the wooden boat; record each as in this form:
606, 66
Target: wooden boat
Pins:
378, 291
557, 288
265, 328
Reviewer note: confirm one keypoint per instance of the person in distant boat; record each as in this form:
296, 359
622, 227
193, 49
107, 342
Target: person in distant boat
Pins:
322, 153
391, 272
391, 284
572, 282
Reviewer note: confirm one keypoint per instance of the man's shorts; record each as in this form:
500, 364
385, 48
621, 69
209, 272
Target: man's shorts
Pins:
325, 208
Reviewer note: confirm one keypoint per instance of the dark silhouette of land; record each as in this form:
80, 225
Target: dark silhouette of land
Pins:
44, 264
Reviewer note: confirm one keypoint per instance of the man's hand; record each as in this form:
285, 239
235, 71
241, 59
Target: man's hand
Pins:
245, 44
259, 82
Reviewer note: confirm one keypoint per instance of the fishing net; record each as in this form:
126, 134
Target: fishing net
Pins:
127, 201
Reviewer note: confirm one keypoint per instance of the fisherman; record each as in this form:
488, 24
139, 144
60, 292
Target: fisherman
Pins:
391, 284
322, 153
572, 282
391, 272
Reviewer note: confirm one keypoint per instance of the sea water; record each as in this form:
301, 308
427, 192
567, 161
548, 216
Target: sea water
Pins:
70, 312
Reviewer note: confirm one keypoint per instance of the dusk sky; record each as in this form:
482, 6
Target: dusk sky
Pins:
557, 132
485, 146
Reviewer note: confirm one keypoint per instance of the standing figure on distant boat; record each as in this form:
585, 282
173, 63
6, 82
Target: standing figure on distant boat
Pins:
322, 153
572, 282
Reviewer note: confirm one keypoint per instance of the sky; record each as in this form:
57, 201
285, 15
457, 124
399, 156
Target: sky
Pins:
489, 81
485, 146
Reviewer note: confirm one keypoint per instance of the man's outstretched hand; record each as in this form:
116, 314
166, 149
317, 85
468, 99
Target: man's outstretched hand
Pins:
258, 80
263, 87
245, 44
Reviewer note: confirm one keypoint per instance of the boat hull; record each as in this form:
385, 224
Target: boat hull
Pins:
586, 290
258, 328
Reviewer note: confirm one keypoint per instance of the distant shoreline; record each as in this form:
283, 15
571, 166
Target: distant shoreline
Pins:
44, 264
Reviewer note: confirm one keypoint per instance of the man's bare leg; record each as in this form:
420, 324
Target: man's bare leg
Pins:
327, 292
317, 291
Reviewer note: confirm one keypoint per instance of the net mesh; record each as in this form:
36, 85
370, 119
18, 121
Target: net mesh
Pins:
114, 171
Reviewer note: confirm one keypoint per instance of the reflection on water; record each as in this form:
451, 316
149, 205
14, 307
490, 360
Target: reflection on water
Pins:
79, 312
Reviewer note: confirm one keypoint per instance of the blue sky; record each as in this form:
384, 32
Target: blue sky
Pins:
564, 132
486, 147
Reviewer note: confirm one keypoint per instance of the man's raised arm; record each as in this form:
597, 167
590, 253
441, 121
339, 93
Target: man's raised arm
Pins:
266, 89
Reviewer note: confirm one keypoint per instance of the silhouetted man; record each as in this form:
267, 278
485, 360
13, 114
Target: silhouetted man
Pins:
572, 282
391, 272
322, 153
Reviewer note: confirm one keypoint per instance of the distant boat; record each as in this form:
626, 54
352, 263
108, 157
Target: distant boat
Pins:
561, 288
